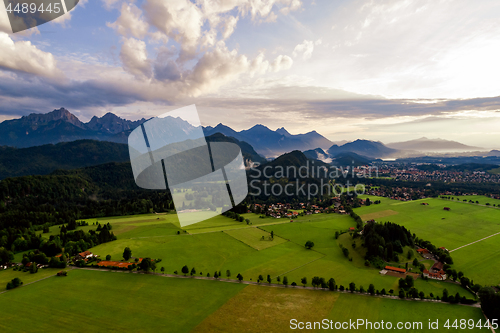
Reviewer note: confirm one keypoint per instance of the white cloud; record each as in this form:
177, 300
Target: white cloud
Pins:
282, 62
130, 22
4, 20
290, 6
135, 59
109, 4
229, 26
305, 49
412, 49
24, 57
181, 20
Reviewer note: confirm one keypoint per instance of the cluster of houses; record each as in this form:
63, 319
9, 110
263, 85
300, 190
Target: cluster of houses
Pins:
413, 173
285, 210
436, 272
398, 193
288, 210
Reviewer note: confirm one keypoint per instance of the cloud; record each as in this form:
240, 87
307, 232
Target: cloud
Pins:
305, 49
181, 20
130, 22
229, 26
135, 59
165, 69
412, 49
282, 62
109, 4
4, 20
22, 56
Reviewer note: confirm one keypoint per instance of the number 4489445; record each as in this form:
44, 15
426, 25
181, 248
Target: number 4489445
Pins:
470, 324
33, 8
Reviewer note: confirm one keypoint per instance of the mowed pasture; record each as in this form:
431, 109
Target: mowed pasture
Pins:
240, 250
26, 277
480, 261
267, 309
255, 237
261, 309
331, 263
95, 301
462, 225
482, 199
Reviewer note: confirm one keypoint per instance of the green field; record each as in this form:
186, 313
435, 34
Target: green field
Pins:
258, 309
93, 301
90, 301
463, 224
332, 263
254, 237
26, 277
221, 244
483, 200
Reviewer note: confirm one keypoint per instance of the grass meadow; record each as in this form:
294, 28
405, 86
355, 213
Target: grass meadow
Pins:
261, 309
26, 277
93, 301
255, 237
222, 244
462, 225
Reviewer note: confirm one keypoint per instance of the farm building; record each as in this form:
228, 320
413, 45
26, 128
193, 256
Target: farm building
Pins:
352, 229
84, 255
424, 204
438, 266
422, 251
441, 275
395, 269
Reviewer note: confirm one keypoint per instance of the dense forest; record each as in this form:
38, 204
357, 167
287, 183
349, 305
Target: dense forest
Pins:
386, 240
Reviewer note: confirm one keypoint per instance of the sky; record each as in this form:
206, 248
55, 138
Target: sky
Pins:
386, 70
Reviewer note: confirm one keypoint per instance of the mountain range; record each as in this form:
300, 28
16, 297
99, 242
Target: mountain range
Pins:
42, 160
273, 143
432, 145
62, 126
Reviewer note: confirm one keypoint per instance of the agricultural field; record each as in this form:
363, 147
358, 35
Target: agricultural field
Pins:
222, 244
462, 225
483, 200
480, 261
139, 302
26, 277
133, 303
255, 237
332, 262
261, 309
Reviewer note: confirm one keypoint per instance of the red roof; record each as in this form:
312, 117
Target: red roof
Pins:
438, 266
438, 275
351, 228
114, 263
85, 253
395, 269
423, 251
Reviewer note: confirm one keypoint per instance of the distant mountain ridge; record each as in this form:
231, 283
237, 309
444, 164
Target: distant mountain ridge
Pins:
273, 143
365, 148
425, 144
42, 160
61, 126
